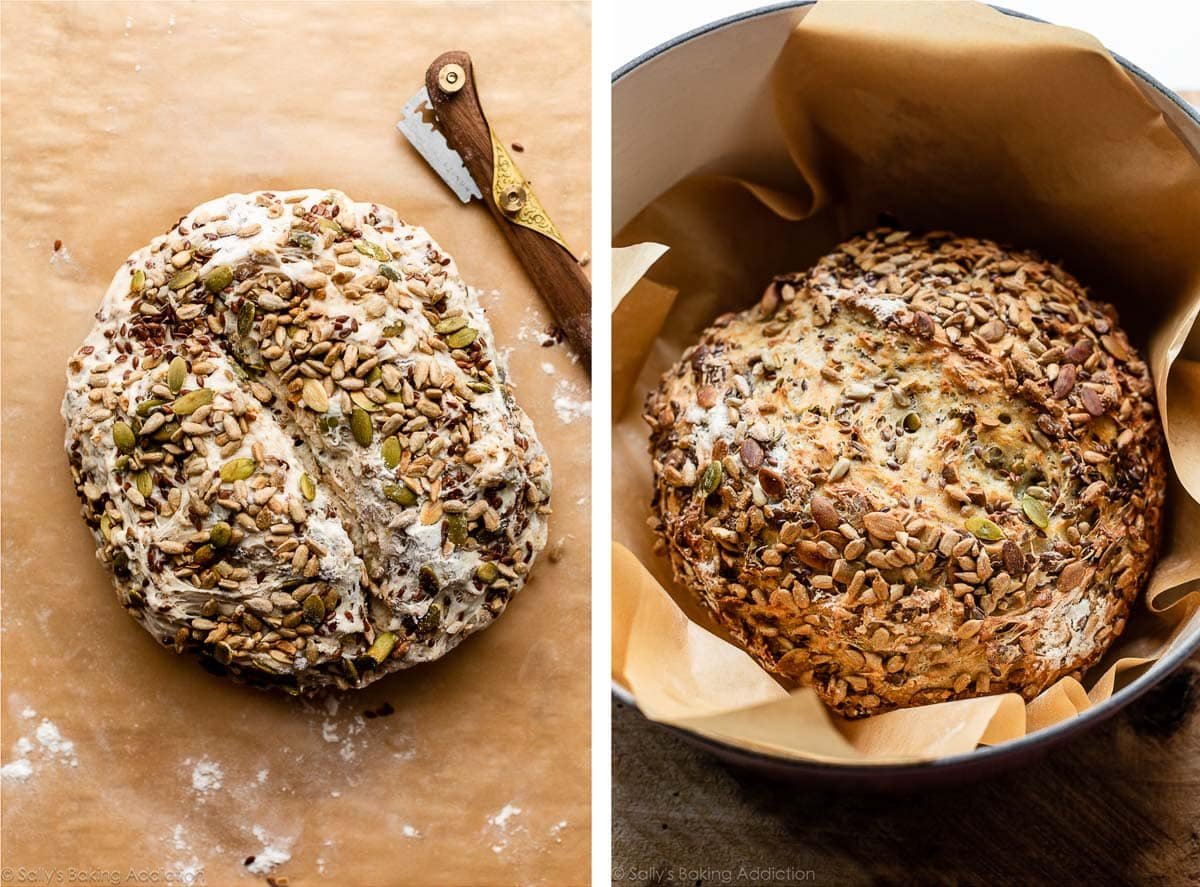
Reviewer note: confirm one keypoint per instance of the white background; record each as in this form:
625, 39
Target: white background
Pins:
1162, 37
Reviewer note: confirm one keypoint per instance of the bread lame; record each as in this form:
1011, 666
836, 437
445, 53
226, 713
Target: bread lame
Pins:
445, 122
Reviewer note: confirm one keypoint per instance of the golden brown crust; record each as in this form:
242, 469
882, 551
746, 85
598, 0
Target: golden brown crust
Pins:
927, 468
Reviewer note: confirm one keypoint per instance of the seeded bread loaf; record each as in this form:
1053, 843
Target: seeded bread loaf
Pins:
928, 468
294, 444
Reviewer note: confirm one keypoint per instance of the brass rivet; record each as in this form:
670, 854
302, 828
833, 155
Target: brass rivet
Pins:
512, 199
452, 78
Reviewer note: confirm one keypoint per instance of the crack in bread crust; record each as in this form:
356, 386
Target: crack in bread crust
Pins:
928, 468
296, 447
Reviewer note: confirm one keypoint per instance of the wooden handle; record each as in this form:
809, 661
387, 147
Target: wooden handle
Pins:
553, 270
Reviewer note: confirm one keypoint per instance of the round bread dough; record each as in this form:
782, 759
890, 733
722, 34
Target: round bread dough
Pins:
294, 443
928, 468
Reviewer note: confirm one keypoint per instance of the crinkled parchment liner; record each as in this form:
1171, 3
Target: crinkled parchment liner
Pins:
948, 116
118, 119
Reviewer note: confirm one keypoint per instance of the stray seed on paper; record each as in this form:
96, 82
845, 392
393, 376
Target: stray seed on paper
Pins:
275, 852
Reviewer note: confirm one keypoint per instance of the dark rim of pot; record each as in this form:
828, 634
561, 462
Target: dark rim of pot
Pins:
993, 753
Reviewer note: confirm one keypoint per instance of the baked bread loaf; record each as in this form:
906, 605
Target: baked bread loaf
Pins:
294, 444
928, 468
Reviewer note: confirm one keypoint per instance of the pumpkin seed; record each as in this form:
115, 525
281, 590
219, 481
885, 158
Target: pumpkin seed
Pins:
192, 401
429, 622
146, 407
314, 609
400, 494
302, 239
479, 387
428, 580
711, 478
314, 396
308, 487
360, 427
144, 483
183, 278
390, 273
1035, 510
993, 457
461, 338
123, 437
167, 432
487, 572
984, 529
205, 555
381, 649
237, 469
106, 527
218, 278
390, 451
245, 318
177, 374
360, 399
450, 325
330, 225
394, 329
220, 535
456, 529
912, 422
138, 281
376, 252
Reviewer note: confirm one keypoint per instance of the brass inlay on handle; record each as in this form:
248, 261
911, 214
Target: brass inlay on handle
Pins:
512, 199
514, 196
452, 78
509, 189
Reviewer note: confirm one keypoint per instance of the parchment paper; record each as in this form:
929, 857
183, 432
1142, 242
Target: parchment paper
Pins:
940, 115
117, 119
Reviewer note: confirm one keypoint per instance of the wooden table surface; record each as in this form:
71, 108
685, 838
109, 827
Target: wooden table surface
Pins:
1119, 805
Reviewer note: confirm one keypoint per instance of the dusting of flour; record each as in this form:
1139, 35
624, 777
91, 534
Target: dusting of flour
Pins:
568, 403
502, 827
48, 746
206, 776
